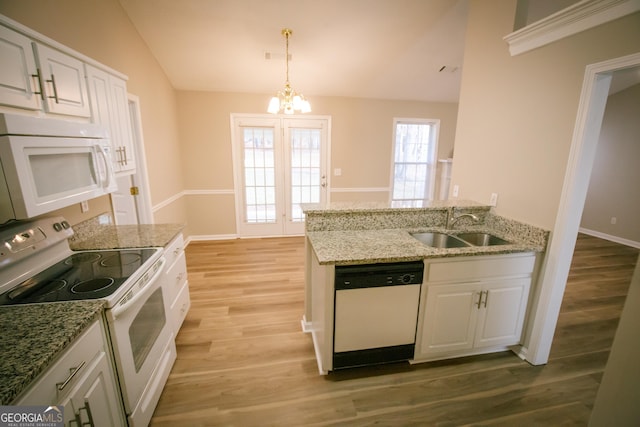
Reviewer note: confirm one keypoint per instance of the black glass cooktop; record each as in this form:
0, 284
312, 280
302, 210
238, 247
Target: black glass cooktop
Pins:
83, 275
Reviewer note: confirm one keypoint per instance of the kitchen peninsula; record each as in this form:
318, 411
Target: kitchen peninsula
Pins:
495, 279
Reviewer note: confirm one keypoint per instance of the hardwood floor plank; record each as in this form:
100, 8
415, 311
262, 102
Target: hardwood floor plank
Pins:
244, 361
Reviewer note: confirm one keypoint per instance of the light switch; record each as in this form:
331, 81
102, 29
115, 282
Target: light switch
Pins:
337, 172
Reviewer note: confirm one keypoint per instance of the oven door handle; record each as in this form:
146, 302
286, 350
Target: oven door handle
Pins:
148, 288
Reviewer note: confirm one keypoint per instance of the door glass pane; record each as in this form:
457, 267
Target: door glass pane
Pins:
259, 175
146, 327
305, 169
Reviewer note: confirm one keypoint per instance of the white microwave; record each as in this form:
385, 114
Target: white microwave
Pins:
48, 164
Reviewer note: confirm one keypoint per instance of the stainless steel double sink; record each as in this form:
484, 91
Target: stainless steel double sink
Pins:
445, 240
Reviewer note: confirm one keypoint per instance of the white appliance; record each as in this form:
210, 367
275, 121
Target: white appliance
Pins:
37, 266
376, 313
48, 164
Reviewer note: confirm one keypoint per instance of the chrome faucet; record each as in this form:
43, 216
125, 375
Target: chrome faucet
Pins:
452, 218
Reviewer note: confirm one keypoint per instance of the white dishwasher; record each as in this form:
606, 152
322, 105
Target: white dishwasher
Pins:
375, 313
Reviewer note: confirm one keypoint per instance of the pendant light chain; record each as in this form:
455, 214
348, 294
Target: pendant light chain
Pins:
288, 101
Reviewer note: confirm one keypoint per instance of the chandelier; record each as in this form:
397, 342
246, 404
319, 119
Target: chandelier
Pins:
288, 101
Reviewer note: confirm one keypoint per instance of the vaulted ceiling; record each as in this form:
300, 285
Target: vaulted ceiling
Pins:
386, 49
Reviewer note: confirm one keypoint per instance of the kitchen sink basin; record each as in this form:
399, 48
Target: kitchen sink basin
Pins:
440, 240
482, 239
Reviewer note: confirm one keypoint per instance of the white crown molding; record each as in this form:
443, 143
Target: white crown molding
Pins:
572, 20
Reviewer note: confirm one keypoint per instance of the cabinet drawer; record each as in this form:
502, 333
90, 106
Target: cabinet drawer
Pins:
173, 250
176, 276
77, 358
480, 267
180, 307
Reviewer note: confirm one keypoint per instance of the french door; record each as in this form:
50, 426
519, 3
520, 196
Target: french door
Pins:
279, 164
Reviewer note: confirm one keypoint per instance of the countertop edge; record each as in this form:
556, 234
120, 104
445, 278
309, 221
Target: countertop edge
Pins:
17, 373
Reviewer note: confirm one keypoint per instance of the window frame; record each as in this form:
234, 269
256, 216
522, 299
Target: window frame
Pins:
431, 163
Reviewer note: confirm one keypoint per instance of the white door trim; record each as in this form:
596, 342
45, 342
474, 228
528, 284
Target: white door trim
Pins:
278, 122
586, 134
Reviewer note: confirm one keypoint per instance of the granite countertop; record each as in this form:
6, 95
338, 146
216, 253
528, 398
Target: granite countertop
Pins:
124, 236
33, 335
368, 207
344, 247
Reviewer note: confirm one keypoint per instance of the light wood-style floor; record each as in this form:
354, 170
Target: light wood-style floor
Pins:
243, 360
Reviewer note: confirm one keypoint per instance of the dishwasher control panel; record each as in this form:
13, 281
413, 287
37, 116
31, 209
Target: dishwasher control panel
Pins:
376, 275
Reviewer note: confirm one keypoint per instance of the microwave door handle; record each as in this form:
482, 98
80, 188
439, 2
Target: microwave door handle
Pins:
108, 171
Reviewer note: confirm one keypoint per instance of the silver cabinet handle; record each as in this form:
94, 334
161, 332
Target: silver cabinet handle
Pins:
55, 88
77, 416
72, 373
38, 78
486, 298
87, 409
477, 304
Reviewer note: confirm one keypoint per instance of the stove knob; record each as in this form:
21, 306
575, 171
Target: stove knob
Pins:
57, 226
65, 225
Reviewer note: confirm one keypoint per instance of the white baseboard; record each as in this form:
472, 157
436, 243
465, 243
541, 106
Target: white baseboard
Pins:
306, 326
611, 238
208, 237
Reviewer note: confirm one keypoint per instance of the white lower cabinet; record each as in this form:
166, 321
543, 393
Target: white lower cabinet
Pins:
473, 305
177, 286
83, 381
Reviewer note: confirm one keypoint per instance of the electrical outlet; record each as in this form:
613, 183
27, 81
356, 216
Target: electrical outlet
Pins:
456, 189
84, 206
614, 220
337, 172
493, 201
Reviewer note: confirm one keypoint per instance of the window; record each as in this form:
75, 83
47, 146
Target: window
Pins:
414, 165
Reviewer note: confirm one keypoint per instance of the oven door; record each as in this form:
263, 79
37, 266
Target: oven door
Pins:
144, 347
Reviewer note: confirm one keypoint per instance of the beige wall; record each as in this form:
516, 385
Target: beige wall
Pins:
361, 143
517, 114
101, 30
613, 189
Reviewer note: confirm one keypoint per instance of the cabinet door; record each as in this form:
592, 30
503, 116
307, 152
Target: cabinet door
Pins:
502, 311
64, 83
93, 401
110, 107
17, 70
99, 94
450, 317
121, 129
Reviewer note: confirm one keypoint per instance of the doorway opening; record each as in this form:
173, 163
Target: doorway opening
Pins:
595, 91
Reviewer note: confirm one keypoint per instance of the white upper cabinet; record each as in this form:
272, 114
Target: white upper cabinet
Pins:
18, 71
37, 77
110, 107
63, 82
